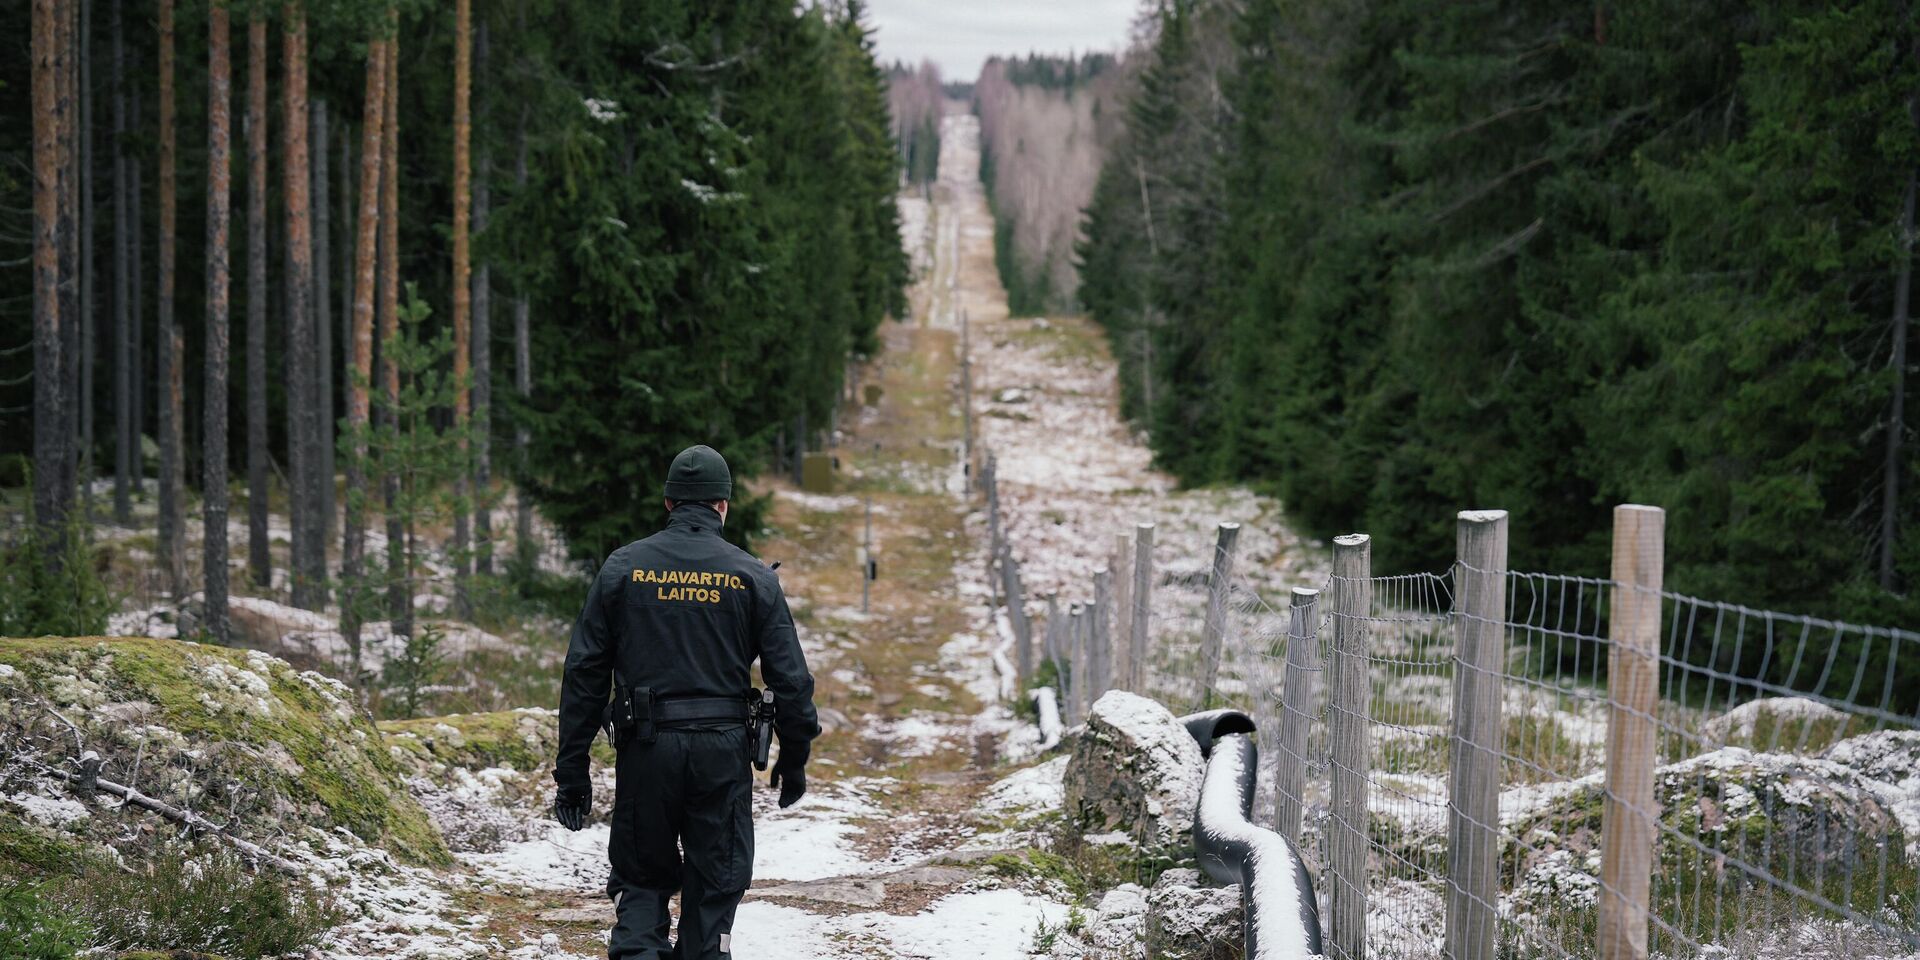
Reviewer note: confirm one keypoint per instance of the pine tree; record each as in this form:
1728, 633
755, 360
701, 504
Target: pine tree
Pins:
67, 237
322, 324
170, 343
461, 286
213, 483
126, 447
399, 589
49, 437
522, 375
88, 329
354, 440
259, 547
308, 547
482, 329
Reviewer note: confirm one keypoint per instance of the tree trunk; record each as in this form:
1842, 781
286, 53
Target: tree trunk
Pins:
136, 294
522, 376
482, 341
462, 278
346, 224
172, 472
259, 545
399, 590
67, 235
213, 477
360, 374
308, 564
322, 325
89, 322
125, 436
1896, 414
48, 436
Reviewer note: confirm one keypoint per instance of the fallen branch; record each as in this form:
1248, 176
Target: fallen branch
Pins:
186, 818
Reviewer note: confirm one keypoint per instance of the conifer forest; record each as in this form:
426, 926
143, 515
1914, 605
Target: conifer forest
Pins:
1190, 479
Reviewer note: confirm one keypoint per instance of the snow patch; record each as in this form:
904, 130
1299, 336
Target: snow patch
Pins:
1039, 787
52, 811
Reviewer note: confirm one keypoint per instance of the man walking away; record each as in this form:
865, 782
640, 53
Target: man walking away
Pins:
673, 624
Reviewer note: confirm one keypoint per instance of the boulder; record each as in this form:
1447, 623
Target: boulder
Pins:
1784, 814
1134, 769
1186, 920
1890, 761
284, 756
1785, 724
1116, 931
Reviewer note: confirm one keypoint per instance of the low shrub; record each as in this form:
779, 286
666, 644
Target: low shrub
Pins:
204, 898
52, 588
34, 926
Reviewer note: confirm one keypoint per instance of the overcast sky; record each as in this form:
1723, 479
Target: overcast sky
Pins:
960, 35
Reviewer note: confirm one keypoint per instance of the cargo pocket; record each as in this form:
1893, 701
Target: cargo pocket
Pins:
720, 818
730, 854
743, 836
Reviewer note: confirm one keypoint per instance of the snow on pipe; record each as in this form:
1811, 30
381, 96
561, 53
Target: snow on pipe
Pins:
1047, 706
1002, 664
1276, 894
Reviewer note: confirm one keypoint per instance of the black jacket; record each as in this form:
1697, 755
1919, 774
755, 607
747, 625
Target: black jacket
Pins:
685, 613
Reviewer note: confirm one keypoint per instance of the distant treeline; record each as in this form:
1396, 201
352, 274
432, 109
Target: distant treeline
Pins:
1045, 123
1391, 259
914, 101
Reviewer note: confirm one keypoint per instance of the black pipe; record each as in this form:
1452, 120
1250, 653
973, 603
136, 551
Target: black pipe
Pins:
1276, 893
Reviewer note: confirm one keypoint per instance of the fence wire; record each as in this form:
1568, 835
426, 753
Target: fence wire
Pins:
1786, 759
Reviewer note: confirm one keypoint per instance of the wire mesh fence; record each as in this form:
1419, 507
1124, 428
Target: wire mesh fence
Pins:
1481, 762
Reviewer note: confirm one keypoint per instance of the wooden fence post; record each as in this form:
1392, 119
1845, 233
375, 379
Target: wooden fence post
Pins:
1100, 658
966, 414
1296, 711
1349, 692
1479, 666
1139, 648
990, 485
1122, 616
1077, 656
1050, 642
1017, 618
1628, 812
1219, 586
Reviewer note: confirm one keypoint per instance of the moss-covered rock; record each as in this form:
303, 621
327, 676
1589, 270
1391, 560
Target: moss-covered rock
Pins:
524, 740
29, 849
1134, 769
234, 731
1726, 818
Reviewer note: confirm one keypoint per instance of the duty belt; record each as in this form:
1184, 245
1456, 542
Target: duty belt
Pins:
692, 709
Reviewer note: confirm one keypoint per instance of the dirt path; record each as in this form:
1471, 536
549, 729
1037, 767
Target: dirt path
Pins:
886, 855
924, 774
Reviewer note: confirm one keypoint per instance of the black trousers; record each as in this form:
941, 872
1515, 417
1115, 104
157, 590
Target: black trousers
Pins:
682, 822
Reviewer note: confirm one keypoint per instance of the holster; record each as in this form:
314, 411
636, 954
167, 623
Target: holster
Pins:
761, 720
629, 716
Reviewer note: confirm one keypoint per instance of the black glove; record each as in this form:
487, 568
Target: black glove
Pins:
571, 803
790, 773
